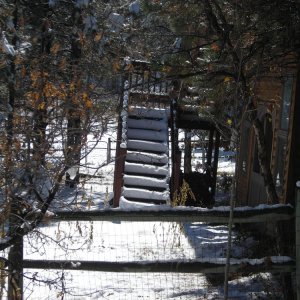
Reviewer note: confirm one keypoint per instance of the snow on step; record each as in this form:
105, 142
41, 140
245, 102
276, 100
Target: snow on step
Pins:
147, 145
147, 124
146, 169
129, 205
144, 157
156, 113
144, 134
145, 181
145, 194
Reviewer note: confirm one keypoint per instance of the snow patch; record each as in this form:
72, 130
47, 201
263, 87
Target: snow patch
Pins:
134, 7
90, 23
147, 135
146, 169
145, 181
52, 3
123, 145
49, 214
145, 194
10, 23
248, 208
117, 21
158, 113
75, 264
4, 240
147, 124
130, 205
215, 209
2, 117
73, 171
144, 157
177, 44
6, 46
82, 3
252, 262
148, 145
124, 115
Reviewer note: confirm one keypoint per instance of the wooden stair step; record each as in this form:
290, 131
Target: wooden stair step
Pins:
145, 194
153, 188
149, 158
155, 176
144, 134
147, 169
147, 145
146, 124
145, 181
148, 201
155, 113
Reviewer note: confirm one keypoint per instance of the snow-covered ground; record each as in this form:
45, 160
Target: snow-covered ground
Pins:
131, 241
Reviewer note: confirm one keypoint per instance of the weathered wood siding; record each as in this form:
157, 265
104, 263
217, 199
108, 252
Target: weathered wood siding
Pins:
294, 151
269, 95
244, 164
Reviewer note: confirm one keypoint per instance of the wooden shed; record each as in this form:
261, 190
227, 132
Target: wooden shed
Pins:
277, 101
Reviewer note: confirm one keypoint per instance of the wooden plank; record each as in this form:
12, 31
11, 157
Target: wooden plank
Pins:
161, 266
269, 214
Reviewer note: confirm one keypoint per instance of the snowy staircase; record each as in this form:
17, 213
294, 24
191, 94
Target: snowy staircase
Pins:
146, 171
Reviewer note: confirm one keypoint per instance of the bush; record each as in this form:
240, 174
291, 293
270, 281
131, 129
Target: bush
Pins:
195, 190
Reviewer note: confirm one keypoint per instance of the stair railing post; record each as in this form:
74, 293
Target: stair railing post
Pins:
297, 221
108, 158
121, 150
174, 145
215, 163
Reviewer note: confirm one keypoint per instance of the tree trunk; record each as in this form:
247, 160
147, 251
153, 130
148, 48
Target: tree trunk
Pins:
15, 255
73, 154
40, 116
39, 145
15, 285
74, 133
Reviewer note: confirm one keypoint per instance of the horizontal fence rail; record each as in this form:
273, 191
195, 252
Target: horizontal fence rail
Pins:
218, 216
240, 266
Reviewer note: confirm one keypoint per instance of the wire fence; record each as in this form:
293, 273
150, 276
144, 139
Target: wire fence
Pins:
104, 285
153, 255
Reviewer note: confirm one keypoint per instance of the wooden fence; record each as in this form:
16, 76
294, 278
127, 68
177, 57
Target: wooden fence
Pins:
216, 216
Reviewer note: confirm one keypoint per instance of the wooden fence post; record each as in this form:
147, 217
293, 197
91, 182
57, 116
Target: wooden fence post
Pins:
297, 221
